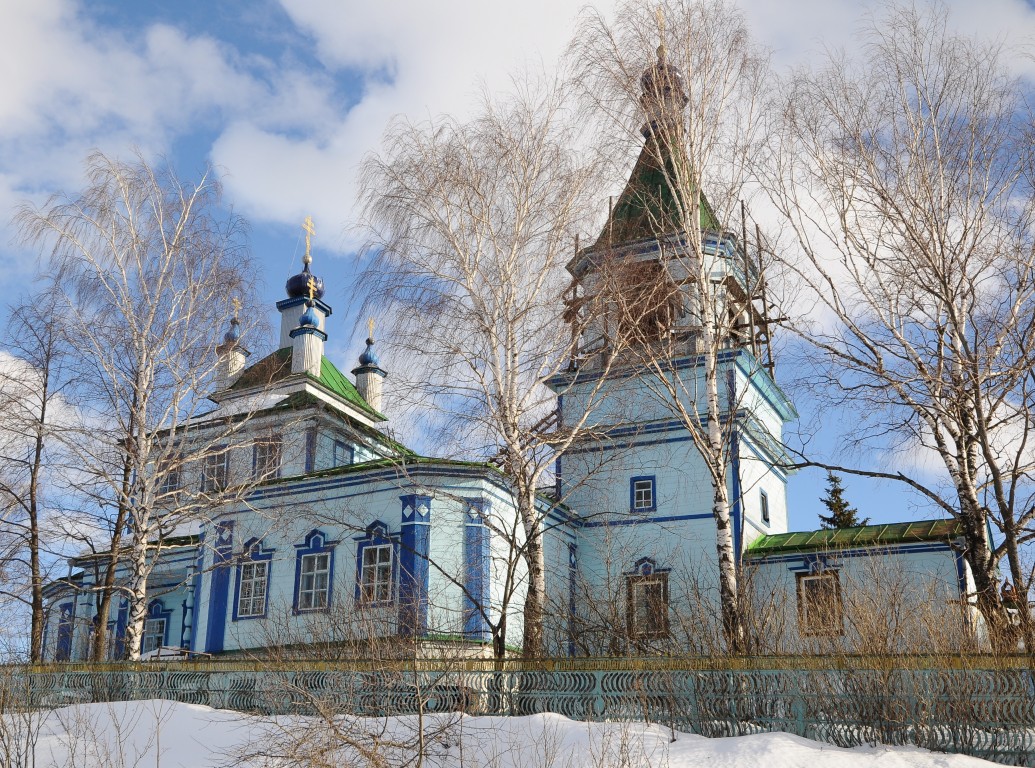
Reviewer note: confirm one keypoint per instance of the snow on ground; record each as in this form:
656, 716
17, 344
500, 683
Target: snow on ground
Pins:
162, 734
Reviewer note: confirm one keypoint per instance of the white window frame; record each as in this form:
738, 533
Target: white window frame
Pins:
215, 472
153, 640
346, 452
170, 479
375, 581
267, 453
314, 582
251, 601
643, 495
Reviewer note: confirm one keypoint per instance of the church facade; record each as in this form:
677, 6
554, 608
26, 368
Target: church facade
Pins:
352, 538
345, 537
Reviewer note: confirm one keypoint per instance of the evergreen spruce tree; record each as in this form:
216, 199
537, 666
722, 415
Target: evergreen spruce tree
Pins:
841, 514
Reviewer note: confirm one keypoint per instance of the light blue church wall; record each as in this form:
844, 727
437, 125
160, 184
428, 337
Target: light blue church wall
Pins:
72, 607
887, 599
441, 521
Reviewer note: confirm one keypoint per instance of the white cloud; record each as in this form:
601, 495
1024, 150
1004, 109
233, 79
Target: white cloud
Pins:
418, 59
289, 137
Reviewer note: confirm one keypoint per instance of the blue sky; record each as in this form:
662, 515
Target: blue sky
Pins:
284, 97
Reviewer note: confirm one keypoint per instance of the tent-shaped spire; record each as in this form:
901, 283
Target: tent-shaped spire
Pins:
649, 207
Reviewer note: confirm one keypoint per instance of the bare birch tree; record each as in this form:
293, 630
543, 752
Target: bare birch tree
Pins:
471, 226
696, 99
143, 268
34, 391
907, 181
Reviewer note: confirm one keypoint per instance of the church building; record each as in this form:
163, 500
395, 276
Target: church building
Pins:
347, 537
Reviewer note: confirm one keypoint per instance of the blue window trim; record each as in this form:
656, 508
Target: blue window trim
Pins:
156, 610
377, 535
643, 569
65, 628
121, 622
315, 542
346, 450
646, 566
653, 494
763, 506
477, 598
253, 553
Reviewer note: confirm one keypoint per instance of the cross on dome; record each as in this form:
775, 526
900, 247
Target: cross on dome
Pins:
305, 284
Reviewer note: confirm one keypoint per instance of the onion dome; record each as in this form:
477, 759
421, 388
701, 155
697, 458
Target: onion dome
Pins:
664, 90
309, 318
369, 356
297, 286
233, 335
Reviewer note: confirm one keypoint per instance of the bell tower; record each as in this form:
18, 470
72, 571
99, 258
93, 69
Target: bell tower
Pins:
668, 293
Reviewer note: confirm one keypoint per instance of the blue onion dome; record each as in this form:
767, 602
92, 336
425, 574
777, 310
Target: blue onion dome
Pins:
233, 335
309, 317
297, 286
369, 356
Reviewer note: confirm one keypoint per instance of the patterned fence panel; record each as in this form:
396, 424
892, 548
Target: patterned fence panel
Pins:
988, 713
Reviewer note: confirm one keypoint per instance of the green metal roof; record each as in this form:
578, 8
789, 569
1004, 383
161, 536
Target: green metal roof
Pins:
648, 206
277, 366
860, 536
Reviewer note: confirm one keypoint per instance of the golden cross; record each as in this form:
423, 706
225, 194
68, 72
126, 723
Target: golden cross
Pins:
310, 284
310, 230
370, 325
660, 13
236, 304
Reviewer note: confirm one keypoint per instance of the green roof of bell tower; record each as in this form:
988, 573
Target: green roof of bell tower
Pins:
648, 206
656, 199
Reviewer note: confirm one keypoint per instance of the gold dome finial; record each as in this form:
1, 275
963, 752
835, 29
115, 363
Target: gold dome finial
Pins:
660, 13
310, 230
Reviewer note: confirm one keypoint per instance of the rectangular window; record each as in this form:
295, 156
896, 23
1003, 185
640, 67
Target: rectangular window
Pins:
648, 605
314, 581
342, 454
254, 579
764, 502
154, 635
641, 492
375, 584
169, 475
820, 612
216, 471
266, 458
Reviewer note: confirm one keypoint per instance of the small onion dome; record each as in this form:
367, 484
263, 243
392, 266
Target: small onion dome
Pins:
309, 318
663, 85
233, 335
369, 356
297, 286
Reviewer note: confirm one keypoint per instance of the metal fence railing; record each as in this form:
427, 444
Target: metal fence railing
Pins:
979, 707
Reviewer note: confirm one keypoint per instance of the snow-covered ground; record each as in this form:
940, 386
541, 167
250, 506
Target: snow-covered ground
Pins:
162, 734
